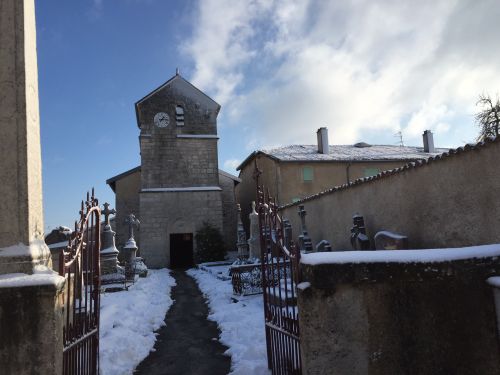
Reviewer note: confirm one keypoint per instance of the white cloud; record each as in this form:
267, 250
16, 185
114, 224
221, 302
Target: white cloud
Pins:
283, 68
230, 165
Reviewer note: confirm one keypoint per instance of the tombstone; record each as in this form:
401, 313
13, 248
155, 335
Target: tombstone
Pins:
31, 294
242, 238
385, 240
287, 233
359, 239
323, 246
254, 240
111, 271
57, 240
134, 265
305, 242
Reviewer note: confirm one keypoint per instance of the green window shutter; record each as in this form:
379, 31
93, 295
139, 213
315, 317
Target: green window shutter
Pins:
307, 173
371, 172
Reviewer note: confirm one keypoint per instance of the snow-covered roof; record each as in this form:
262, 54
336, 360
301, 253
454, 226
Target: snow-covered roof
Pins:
345, 153
409, 165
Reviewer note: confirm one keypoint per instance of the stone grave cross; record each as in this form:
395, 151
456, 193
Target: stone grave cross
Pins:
304, 239
132, 221
107, 212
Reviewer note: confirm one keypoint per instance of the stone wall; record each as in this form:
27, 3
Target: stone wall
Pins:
31, 324
165, 213
229, 211
286, 183
168, 161
449, 201
127, 202
399, 318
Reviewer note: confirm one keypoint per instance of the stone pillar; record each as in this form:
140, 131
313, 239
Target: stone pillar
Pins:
30, 292
287, 233
133, 264
254, 240
111, 272
304, 239
21, 213
242, 237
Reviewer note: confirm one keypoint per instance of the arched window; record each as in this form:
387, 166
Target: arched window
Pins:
179, 115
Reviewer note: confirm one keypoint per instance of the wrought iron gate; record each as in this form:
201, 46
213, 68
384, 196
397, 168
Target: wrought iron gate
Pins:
79, 264
280, 275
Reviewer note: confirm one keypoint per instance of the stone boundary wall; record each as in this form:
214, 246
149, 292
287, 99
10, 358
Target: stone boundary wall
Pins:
451, 200
399, 318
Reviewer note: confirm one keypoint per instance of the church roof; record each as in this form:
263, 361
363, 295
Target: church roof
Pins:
180, 81
358, 152
112, 181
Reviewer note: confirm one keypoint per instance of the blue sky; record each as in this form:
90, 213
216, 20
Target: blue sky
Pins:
279, 68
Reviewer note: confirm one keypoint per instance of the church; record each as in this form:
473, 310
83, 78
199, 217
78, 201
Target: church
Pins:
178, 185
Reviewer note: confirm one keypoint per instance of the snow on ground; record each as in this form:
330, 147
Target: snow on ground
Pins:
241, 323
129, 319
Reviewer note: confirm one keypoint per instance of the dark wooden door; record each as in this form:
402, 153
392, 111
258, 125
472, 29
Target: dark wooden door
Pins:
181, 250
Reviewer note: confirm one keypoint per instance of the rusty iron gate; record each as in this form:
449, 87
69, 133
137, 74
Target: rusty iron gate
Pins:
280, 275
79, 264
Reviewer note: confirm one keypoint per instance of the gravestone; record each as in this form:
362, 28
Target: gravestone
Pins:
134, 265
385, 240
359, 239
287, 233
323, 246
242, 244
57, 240
254, 240
111, 271
305, 242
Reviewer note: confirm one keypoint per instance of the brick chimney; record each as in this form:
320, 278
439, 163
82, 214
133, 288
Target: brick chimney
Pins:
428, 141
322, 134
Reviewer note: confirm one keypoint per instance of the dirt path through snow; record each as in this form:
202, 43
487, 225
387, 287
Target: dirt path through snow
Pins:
188, 344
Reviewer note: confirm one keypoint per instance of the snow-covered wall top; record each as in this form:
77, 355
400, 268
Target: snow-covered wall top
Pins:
402, 256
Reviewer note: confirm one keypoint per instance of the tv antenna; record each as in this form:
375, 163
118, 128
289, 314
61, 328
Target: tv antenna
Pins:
399, 136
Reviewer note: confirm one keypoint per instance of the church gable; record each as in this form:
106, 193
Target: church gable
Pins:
179, 107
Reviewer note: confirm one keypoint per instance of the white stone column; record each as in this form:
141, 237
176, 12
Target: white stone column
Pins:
31, 294
21, 212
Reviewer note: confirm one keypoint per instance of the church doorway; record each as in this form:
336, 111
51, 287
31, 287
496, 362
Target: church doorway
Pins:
181, 250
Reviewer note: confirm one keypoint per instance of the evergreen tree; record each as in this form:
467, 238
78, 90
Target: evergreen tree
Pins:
209, 244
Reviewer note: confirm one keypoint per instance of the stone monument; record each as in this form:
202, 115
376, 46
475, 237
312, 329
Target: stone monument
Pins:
304, 239
242, 238
323, 246
385, 240
254, 240
111, 271
30, 292
134, 265
359, 239
287, 233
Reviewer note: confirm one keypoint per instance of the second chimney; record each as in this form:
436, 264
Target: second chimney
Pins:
322, 134
428, 141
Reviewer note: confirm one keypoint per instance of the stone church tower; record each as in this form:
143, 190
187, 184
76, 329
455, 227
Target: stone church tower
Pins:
178, 185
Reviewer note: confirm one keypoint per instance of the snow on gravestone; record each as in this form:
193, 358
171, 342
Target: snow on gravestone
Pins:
385, 240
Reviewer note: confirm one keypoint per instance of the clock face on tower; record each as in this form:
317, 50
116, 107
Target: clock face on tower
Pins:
161, 120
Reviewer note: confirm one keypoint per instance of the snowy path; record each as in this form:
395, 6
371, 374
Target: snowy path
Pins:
189, 343
129, 319
241, 324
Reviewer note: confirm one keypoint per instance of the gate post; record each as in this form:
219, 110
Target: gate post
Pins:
30, 292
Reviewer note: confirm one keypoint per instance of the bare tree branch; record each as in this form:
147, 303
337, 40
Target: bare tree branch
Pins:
488, 118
